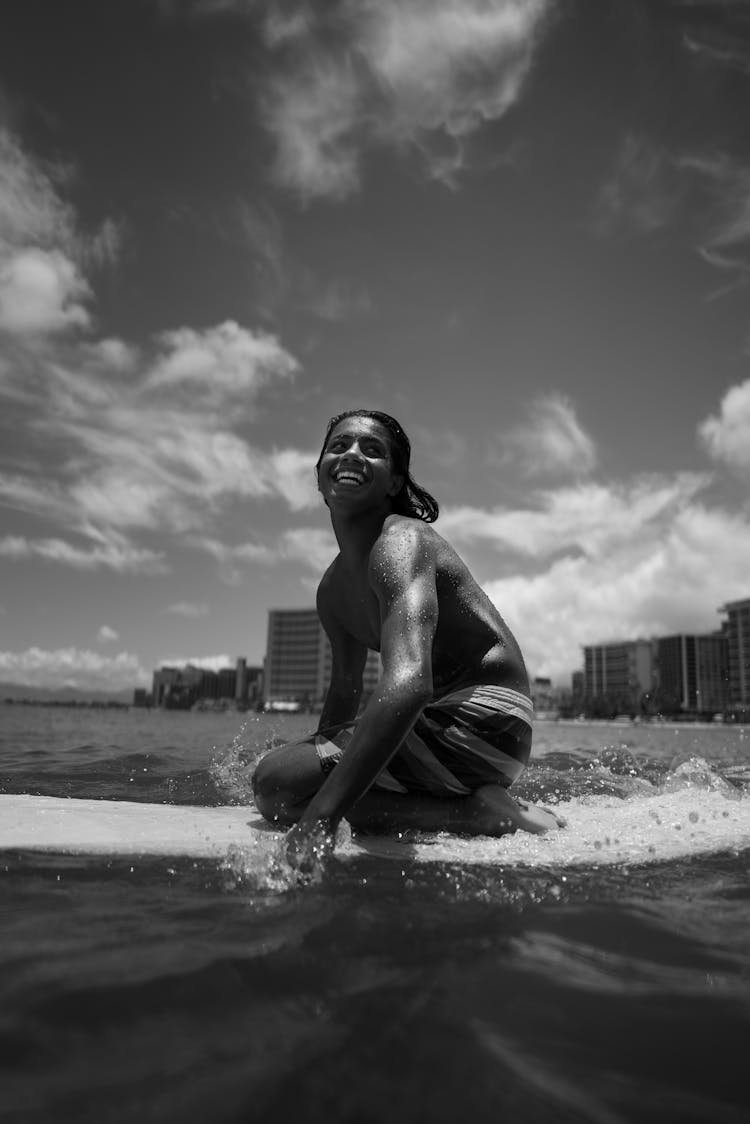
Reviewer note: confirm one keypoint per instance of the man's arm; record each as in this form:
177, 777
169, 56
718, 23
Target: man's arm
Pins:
403, 577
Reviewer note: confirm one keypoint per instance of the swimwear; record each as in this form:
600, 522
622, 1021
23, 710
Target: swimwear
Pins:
471, 737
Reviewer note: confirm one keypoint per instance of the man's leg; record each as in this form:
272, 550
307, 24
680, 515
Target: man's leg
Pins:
489, 810
285, 780
290, 775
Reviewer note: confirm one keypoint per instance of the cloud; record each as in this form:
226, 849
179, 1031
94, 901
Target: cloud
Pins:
643, 192
188, 609
107, 635
312, 113
43, 254
337, 301
593, 519
314, 547
727, 436
72, 667
234, 559
293, 474
650, 188
660, 583
114, 553
725, 183
132, 439
208, 663
41, 291
31, 209
607, 563
221, 364
450, 65
147, 442
390, 73
552, 442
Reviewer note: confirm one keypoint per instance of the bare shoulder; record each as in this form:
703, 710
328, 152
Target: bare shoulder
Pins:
406, 539
406, 549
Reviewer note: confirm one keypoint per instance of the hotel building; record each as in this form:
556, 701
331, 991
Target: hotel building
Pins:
691, 673
298, 660
737, 628
620, 672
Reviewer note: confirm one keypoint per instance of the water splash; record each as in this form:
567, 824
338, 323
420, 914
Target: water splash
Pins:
264, 865
232, 770
697, 773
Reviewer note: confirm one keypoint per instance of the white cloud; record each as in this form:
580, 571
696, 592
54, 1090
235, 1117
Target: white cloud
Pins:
552, 443
643, 191
315, 547
43, 288
104, 246
726, 181
233, 560
312, 113
727, 436
72, 667
114, 553
110, 356
150, 444
208, 663
188, 609
29, 494
107, 635
392, 73
219, 363
450, 64
610, 563
31, 209
591, 518
292, 472
41, 291
337, 301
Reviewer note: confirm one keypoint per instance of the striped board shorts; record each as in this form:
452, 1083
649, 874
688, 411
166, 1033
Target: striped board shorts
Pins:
474, 736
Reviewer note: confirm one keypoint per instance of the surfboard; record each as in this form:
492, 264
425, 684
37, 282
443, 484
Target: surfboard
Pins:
600, 830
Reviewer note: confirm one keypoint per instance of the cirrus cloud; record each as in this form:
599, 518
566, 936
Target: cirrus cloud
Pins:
552, 442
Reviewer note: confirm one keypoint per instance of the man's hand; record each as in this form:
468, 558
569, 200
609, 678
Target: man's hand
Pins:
307, 846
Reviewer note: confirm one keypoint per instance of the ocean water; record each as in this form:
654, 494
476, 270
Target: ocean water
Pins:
603, 975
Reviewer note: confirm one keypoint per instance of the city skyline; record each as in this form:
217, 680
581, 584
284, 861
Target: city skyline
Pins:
523, 229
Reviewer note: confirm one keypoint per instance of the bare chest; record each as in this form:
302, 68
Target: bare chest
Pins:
358, 609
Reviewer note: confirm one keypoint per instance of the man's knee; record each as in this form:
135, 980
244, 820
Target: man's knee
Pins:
281, 788
268, 794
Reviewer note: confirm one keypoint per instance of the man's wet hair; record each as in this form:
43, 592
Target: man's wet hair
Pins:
412, 500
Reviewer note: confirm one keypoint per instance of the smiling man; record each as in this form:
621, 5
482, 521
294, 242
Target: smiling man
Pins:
448, 727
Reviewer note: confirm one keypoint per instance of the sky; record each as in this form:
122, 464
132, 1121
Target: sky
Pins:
523, 228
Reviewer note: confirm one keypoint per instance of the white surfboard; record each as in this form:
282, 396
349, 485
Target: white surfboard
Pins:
600, 830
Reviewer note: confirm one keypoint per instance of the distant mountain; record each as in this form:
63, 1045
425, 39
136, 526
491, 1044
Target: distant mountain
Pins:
23, 691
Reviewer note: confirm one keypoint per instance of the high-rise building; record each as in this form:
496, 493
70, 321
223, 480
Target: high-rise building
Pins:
620, 673
298, 659
184, 687
737, 629
691, 673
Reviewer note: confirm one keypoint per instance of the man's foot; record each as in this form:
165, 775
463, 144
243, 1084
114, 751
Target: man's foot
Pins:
498, 813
